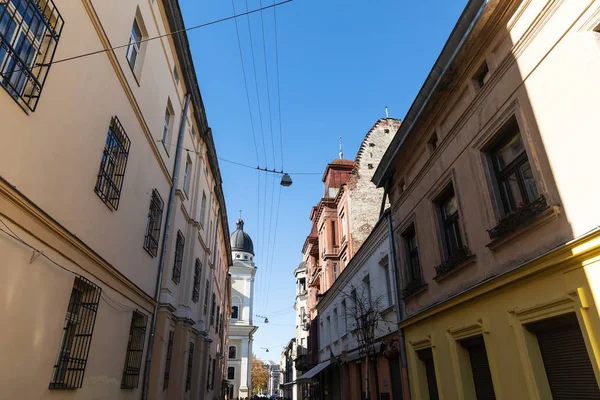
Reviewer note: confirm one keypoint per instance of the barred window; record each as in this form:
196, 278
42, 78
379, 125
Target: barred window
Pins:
208, 373
77, 335
153, 223
212, 310
190, 364
112, 166
135, 351
214, 367
168, 361
206, 297
180, 243
196, 290
218, 319
29, 34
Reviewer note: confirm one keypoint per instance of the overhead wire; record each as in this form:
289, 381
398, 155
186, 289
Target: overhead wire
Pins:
278, 85
262, 22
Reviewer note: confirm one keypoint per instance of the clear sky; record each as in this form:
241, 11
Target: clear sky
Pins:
340, 64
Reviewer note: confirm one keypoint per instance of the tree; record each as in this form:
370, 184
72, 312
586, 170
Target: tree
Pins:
260, 376
366, 314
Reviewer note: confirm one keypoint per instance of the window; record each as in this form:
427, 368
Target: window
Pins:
176, 76
448, 211
153, 223
212, 310
187, 175
566, 360
335, 271
208, 373
112, 166
218, 319
367, 283
335, 324
512, 170
134, 46
302, 315
343, 222
168, 361
235, 310
388, 284
412, 254
345, 312
196, 290
77, 335
167, 123
179, 245
190, 365
206, 297
480, 367
230, 373
426, 356
214, 368
232, 353
401, 186
433, 142
482, 75
29, 35
329, 332
202, 208
135, 350
333, 234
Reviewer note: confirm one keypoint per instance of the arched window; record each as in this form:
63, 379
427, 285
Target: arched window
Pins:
232, 355
235, 312
230, 373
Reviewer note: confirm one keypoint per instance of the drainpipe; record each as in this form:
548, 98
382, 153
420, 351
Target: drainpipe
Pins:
163, 253
399, 304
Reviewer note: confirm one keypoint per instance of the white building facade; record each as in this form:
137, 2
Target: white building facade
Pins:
241, 328
300, 352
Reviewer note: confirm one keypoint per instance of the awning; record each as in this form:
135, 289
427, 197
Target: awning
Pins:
314, 371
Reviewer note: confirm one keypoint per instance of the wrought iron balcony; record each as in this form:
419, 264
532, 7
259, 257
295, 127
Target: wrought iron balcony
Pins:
461, 255
524, 214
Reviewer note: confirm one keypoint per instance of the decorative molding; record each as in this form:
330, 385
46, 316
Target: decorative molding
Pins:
421, 344
467, 331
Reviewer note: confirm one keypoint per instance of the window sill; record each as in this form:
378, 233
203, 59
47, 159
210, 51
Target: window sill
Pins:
165, 147
549, 214
388, 310
408, 293
467, 261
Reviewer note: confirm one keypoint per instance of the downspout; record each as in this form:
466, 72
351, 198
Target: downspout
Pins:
163, 253
399, 304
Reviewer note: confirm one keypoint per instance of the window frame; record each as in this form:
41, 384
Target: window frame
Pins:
168, 358
109, 182
187, 175
236, 312
178, 258
450, 225
134, 47
167, 126
196, 287
153, 223
230, 369
413, 270
135, 351
229, 352
190, 367
77, 334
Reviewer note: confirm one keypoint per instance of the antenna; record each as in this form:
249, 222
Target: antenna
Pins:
240, 213
386, 112
341, 152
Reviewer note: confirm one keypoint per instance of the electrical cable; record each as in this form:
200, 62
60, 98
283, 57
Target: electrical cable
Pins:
278, 85
177, 32
262, 22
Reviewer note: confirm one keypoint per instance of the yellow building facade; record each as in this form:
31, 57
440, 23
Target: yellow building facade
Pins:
495, 219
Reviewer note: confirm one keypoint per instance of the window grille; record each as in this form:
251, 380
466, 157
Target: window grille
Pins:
190, 364
196, 290
168, 361
206, 297
208, 374
212, 310
112, 166
180, 243
153, 224
135, 351
214, 367
29, 34
77, 335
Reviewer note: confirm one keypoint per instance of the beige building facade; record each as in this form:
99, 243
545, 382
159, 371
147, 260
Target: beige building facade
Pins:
494, 209
86, 172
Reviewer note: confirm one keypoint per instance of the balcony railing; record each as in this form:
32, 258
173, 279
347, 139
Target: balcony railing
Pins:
524, 214
461, 255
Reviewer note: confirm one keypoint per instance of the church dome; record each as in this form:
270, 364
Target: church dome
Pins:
240, 240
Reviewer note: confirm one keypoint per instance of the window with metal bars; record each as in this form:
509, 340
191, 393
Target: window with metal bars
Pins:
153, 224
135, 351
77, 335
29, 34
208, 373
196, 290
179, 245
214, 368
212, 310
206, 297
190, 365
168, 361
112, 165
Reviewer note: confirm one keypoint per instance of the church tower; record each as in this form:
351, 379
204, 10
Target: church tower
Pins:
241, 328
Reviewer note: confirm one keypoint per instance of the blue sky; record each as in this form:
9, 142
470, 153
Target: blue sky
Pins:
340, 64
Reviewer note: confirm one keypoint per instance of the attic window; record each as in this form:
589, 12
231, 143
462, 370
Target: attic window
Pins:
482, 75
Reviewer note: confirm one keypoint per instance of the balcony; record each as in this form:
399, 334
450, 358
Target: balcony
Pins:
461, 257
523, 215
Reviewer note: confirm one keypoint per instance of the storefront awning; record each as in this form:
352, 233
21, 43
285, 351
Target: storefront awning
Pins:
314, 371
